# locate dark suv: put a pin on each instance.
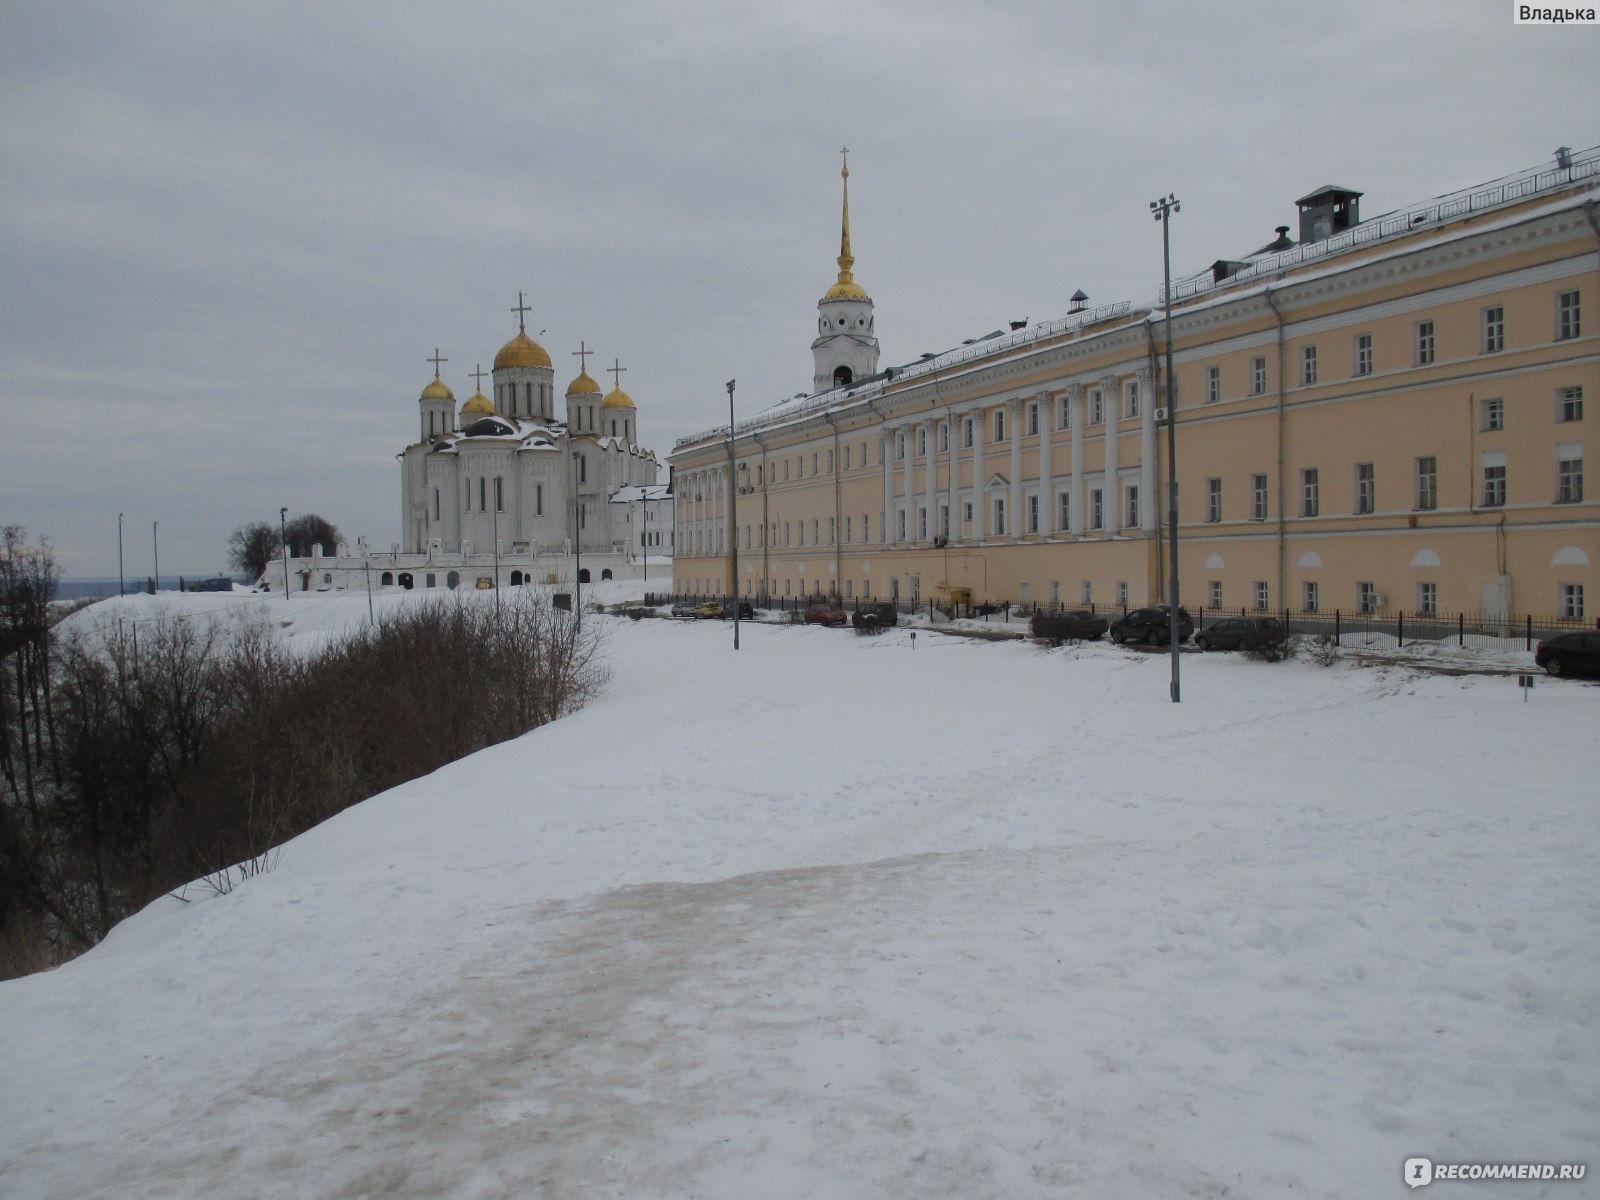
(1570, 654)
(1242, 633)
(1152, 626)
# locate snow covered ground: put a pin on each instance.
(852, 917)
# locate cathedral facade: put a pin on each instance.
(509, 489)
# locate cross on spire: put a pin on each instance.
(478, 375)
(436, 360)
(616, 368)
(521, 310)
(582, 355)
(844, 153)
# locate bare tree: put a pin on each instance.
(251, 547)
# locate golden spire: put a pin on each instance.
(846, 288)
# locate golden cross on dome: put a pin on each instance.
(478, 375)
(844, 153)
(521, 310)
(436, 360)
(582, 355)
(616, 368)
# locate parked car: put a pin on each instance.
(1081, 625)
(708, 609)
(825, 614)
(684, 608)
(1152, 626)
(1570, 654)
(881, 614)
(746, 613)
(1243, 633)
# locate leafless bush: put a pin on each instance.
(1323, 649)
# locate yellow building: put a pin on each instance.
(1389, 415)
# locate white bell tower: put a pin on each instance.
(846, 348)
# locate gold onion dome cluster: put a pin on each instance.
(521, 351)
(479, 403)
(437, 390)
(617, 398)
(583, 385)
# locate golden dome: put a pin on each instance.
(846, 289)
(521, 351)
(583, 385)
(616, 398)
(436, 390)
(479, 403)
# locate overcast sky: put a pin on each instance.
(232, 233)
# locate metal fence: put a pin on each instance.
(1351, 628)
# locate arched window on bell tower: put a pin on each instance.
(841, 376)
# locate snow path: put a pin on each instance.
(836, 917)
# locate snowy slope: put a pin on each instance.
(837, 916)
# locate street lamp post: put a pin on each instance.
(494, 522)
(283, 545)
(121, 589)
(577, 541)
(1162, 211)
(733, 522)
(155, 542)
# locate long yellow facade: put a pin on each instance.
(1394, 418)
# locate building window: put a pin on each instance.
(1366, 488)
(1494, 330)
(999, 424)
(1308, 365)
(1097, 516)
(1363, 354)
(1065, 503)
(1262, 595)
(849, 524)
(900, 524)
(847, 458)
(538, 499)
(1492, 414)
(922, 441)
(1122, 592)
(1097, 406)
(1308, 595)
(944, 520)
(830, 462)
(1366, 597)
(1066, 414)
(1033, 514)
(1055, 591)
(483, 491)
(1569, 317)
(1424, 343)
(1258, 376)
(999, 515)
(1131, 398)
(922, 523)
(1569, 474)
(966, 433)
(1427, 483)
(899, 447)
(1494, 479)
(1427, 599)
(1088, 591)
(1213, 384)
(1571, 601)
(1033, 420)
(499, 494)
(786, 470)
(435, 504)
(1213, 501)
(1213, 593)
(944, 436)
(1258, 497)
(1131, 495)
(1310, 493)
(849, 586)
(832, 531)
(1569, 404)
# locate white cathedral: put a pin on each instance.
(505, 492)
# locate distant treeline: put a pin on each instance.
(138, 756)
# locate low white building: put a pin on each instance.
(504, 491)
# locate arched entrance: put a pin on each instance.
(516, 579)
(583, 575)
(386, 579)
(605, 574)
(453, 579)
(406, 580)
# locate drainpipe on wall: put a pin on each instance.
(1155, 373)
(766, 478)
(1283, 596)
(838, 523)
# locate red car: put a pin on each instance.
(826, 614)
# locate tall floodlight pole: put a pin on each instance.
(120, 588)
(733, 522)
(1162, 210)
(494, 520)
(155, 542)
(283, 545)
(577, 540)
